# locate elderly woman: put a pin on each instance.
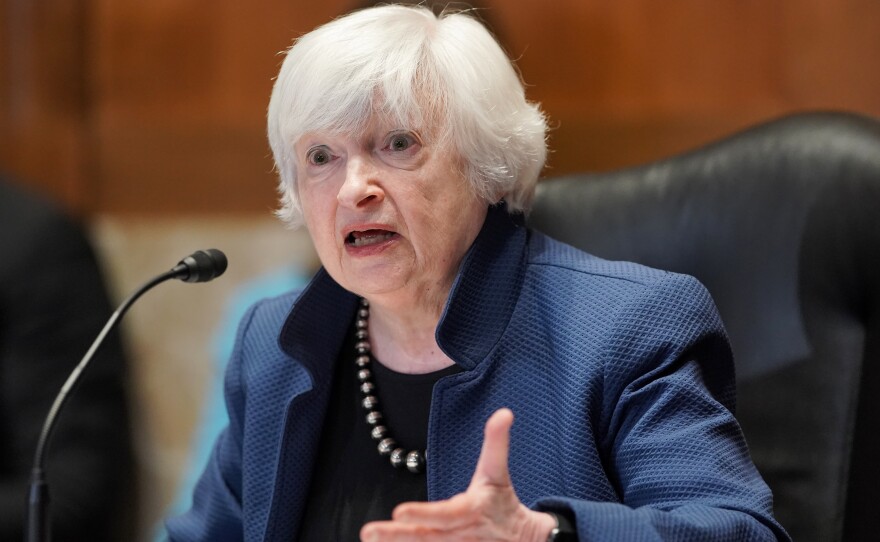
(378, 403)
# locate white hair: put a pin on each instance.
(417, 68)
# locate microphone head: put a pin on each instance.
(202, 266)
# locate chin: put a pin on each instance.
(367, 286)
(375, 278)
(371, 290)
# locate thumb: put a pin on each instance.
(492, 466)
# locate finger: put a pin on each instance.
(492, 465)
(455, 513)
(390, 531)
(393, 531)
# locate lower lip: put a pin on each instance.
(371, 249)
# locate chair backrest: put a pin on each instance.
(782, 223)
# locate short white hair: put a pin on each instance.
(416, 67)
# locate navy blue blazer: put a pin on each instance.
(620, 377)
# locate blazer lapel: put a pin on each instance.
(312, 336)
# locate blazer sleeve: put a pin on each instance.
(216, 512)
(671, 444)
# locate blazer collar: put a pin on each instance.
(486, 289)
(316, 326)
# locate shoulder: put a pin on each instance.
(256, 353)
(36, 234)
(556, 265)
(264, 319)
(555, 256)
(643, 321)
(629, 309)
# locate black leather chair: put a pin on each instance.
(782, 223)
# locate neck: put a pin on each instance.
(403, 340)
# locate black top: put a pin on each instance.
(352, 484)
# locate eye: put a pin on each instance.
(401, 141)
(319, 156)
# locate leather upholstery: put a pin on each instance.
(780, 223)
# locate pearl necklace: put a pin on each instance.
(415, 459)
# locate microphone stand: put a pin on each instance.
(38, 526)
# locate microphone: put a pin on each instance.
(200, 266)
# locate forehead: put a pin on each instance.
(329, 108)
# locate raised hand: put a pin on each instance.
(488, 510)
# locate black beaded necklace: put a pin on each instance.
(414, 459)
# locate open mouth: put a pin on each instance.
(368, 237)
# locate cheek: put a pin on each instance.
(318, 198)
(310, 216)
(318, 217)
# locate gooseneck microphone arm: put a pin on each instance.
(200, 266)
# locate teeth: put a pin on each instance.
(371, 238)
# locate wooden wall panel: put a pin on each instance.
(44, 96)
(832, 53)
(182, 91)
(158, 107)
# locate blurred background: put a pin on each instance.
(146, 121)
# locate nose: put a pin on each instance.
(361, 187)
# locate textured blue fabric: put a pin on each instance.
(620, 378)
